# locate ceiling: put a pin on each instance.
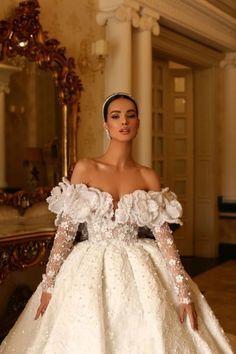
(228, 6)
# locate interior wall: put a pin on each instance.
(70, 22)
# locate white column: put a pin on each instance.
(118, 69)
(118, 64)
(228, 189)
(5, 73)
(142, 85)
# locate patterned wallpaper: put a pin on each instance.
(72, 21)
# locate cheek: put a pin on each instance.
(136, 124)
(111, 125)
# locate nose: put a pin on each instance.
(124, 120)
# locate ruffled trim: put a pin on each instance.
(79, 202)
(69, 199)
(82, 204)
(151, 209)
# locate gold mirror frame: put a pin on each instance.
(23, 35)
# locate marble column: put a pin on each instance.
(5, 73)
(228, 189)
(142, 83)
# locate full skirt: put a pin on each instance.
(115, 298)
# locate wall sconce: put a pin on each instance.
(98, 52)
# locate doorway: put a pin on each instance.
(184, 148)
(173, 140)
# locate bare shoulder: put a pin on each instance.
(151, 178)
(82, 170)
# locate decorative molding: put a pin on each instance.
(228, 6)
(122, 13)
(23, 253)
(200, 20)
(197, 19)
(229, 60)
(143, 19)
(22, 200)
(23, 35)
(187, 51)
(147, 23)
(112, 5)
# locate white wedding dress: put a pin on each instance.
(115, 293)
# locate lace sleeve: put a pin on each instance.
(62, 245)
(165, 241)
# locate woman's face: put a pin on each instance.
(122, 120)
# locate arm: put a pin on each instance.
(164, 208)
(165, 241)
(66, 231)
(62, 245)
(66, 202)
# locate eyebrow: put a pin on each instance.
(117, 111)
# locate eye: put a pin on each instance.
(115, 116)
(133, 115)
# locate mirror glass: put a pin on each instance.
(39, 105)
(31, 120)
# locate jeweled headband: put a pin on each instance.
(112, 97)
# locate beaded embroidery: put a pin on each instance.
(79, 204)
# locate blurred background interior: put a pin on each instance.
(58, 60)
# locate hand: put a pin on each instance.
(188, 309)
(44, 301)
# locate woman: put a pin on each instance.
(115, 292)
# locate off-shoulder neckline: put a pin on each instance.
(117, 201)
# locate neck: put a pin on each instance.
(119, 154)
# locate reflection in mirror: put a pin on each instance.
(39, 103)
(32, 125)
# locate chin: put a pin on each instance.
(127, 137)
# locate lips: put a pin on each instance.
(124, 130)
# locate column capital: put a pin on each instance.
(149, 23)
(140, 17)
(229, 60)
(122, 13)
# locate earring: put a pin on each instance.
(107, 133)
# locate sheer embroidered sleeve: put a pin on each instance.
(165, 241)
(156, 210)
(170, 211)
(72, 206)
(62, 245)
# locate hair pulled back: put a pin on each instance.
(113, 97)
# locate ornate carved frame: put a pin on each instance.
(19, 253)
(23, 35)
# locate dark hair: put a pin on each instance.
(114, 97)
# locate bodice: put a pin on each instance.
(107, 231)
(95, 209)
(78, 204)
